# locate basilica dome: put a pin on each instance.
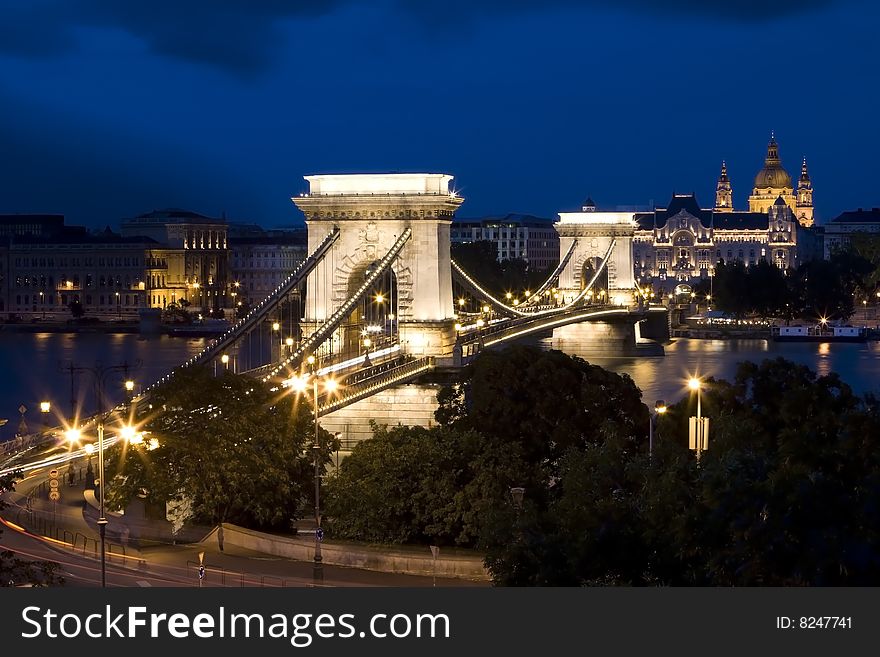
(772, 175)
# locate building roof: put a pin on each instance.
(773, 175)
(512, 218)
(39, 218)
(678, 202)
(735, 220)
(859, 216)
(741, 221)
(82, 237)
(171, 214)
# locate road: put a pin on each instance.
(161, 565)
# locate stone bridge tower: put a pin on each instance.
(594, 232)
(372, 211)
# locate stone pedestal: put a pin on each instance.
(408, 404)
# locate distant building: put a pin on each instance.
(260, 260)
(44, 275)
(839, 229)
(189, 261)
(34, 225)
(771, 183)
(681, 244)
(514, 236)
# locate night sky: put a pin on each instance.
(109, 109)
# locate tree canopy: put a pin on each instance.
(785, 495)
(237, 451)
(817, 288)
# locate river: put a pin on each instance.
(31, 366)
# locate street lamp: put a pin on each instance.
(367, 343)
(299, 385)
(42, 304)
(659, 409)
(516, 494)
(100, 374)
(698, 426)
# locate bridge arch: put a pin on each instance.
(592, 234)
(372, 211)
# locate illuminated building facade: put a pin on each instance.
(677, 246)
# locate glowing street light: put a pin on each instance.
(698, 426)
(299, 385)
(659, 409)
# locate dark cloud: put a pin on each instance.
(97, 174)
(242, 36)
(741, 10)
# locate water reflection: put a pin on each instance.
(31, 369)
(858, 364)
(31, 365)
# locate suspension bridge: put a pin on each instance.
(379, 301)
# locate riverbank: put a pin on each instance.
(761, 333)
(123, 326)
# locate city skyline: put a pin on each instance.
(112, 112)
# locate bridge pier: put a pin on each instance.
(613, 338)
(410, 404)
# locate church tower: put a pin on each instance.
(772, 182)
(723, 191)
(805, 197)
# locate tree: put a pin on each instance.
(867, 246)
(731, 288)
(510, 423)
(15, 571)
(176, 313)
(237, 451)
(544, 401)
(406, 485)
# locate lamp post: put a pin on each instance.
(45, 407)
(659, 409)
(367, 344)
(42, 304)
(100, 373)
(299, 385)
(699, 426)
(516, 494)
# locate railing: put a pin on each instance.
(393, 376)
(259, 312)
(535, 312)
(326, 329)
(554, 276)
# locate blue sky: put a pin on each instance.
(110, 109)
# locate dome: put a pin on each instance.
(772, 175)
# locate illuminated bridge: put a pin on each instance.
(379, 302)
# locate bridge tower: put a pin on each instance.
(372, 211)
(595, 232)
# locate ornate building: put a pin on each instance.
(773, 182)
(679, 245)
